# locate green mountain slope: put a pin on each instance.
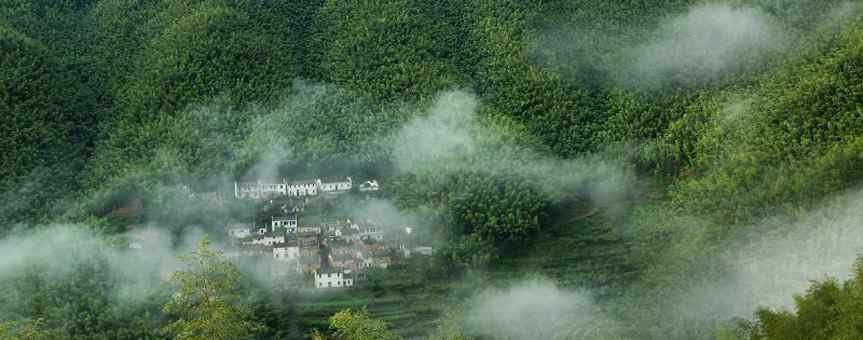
(624, 148)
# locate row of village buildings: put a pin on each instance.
(262, 189)
(334, 253)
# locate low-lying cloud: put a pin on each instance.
(763, 270)
(452, 136)
(445, 133)
(60, 249)
(705, 43)
(535, 309)
(824, 244)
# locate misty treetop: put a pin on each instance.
(829, 309)
(624, 146)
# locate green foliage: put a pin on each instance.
(351, 325)
(178, 52)
(208, 52)
(482, 212)
(449, 329)
(828, 311)
(562, 114)
(496, 209)
(182, 75)
(321, 123)
(386, 49)
(101, 97)
(75, 301)
(794, 141)
(62, 24)
(198, 142)
(31, 330)
(47, 118)
(205, 302)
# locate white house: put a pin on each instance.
(336, 279)
(259, 189)
(369, 186)
(372, 233)
(245, 190)
(266, 189)
(337, 186)
(288, 222)
(286, 253)
(302, 188)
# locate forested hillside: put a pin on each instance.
(676, 169)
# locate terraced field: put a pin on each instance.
(412, 315)
(576, 251)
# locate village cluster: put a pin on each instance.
(336, 253)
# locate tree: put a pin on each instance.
(30, 330)
(206, 303)
(46, 117)
(163, 55)
(449, 329)
(385, 49)
(828, 311)
(795, 140)
(210, 51)
(483, 213)
(324, 123)
(350, 325)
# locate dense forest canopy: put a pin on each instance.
(674, 169)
